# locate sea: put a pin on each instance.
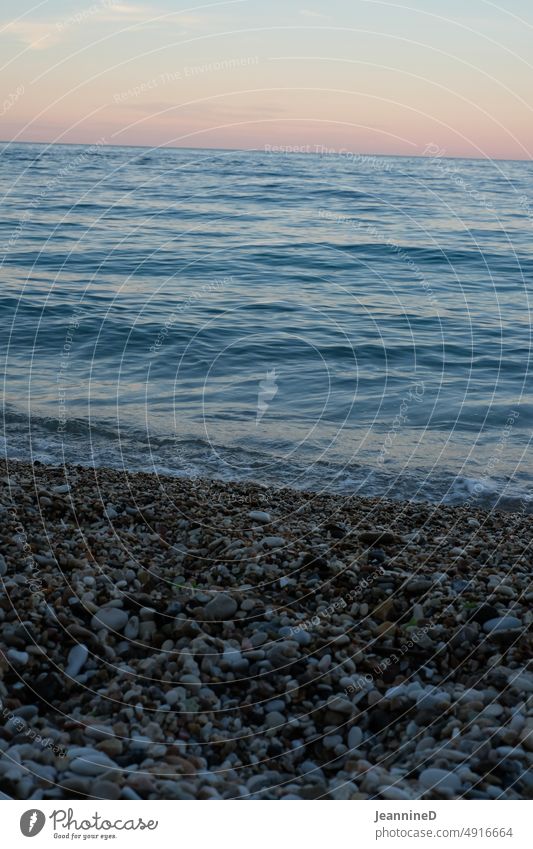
(322, 321)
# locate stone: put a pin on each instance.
(222, 606)
(275, 719)
(77, 658)
(439, 779)
(501, 624)
(340, 705)
(433, 699)
(343, 792)
(90, 762)
(112, 746)
(355, 737)
(395, 794)
(112, 618)
(18, 658)
(259, 516)
(233, 657)
(275, 704)
(105, 790)
(419, 585)
(330, 741)
(129, 793)
(131, 631)
(174, 696)
(273, 542)
(378, 537)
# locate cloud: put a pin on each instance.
(310, 13)
(37, 35)
(126, 12)
(42, 34)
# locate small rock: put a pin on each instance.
(501, 624)
(433, 699)
(112, 746)
(91, 762)
(129, 793)
(273, 542)
(105, 790)
(330, 741)
(340, 705)
(18, 658)
(275, 704)
(233, 657)
(355, 737)
(77, 658)
(378, 537)
(376, 555)
(419, 585)
(343, 791)
(492, 711)
(112, 618)
(131, 631)
(274, 719)
(259, 516)
(222, 606)
(258, 638)
(393, 793)
(140, 742)
(439, 779)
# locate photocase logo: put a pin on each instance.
(267, 391)
(32, 822)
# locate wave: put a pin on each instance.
(97, 443)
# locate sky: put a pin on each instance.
(366, 76)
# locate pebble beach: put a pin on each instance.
(165, 638)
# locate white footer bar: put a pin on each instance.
(269, 825)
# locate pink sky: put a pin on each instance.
(371, 77)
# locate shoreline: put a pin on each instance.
(194, 639)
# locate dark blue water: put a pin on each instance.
(350, 323)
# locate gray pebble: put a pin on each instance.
(439, 779)
(501, 624)
(222, 606)
(259, 516)
(109, 617)
(77, 658)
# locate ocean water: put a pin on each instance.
(339, 322)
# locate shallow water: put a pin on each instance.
(356, 324)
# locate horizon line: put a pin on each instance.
(327, 151)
